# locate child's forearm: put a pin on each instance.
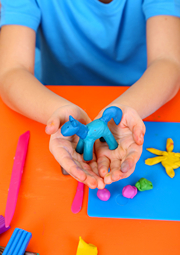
(158, 85)
(23, 93)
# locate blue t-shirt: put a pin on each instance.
(87, 42)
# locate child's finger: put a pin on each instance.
(80, 173)
(138, 135)
(94, 167)
(52, 125)
(133, 121)
(103, 165)
(121, 170)
(130, 161)
(72, 167)
(62, 152)
(91, 175)
(101, 184)
(127, 165)
(59, 118)
(115, 167)
(78, 169)
(115, 173)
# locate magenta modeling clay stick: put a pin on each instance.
(78, 199)
(17, 171)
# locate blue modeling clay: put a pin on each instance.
(89, 133)
(18, 242)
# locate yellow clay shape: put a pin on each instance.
(169, 144)
(170, 160)
(86, 249)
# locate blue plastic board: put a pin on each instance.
(160, 203)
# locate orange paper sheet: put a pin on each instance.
(45, 197)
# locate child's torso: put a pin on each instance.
(91, 42)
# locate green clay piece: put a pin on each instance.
(143, 184)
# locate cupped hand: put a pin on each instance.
(130, 137)
(63, 148)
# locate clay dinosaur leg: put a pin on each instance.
(88, 150)
(80, 146)
(110, 140)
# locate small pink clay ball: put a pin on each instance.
(103, 194)
(129, 191)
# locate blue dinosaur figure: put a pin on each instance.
(97, 129)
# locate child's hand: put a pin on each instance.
(63, 148)
(130, 136)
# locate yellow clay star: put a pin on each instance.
(170, 160)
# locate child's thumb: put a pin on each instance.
(53, 125)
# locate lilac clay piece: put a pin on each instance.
(103, 194)
(129, 191)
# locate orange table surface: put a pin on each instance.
(45, 196)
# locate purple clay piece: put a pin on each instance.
(2, 225)
(103, 194)
(129, 191)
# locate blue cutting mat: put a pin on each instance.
(160, 203)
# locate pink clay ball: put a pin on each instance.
(103, 194)
(129, 191)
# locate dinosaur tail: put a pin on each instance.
(112, 112)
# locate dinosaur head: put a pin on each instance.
(70, 127)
